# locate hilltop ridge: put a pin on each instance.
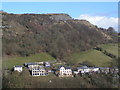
(58, 34)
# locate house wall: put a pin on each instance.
(39, 73)
(19, 69)
(65, 72)
(32, 66)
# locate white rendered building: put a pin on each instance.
(32, 65)
(85, 69)
(47, 64)
(39, 71)
(95, 69)
(18, 68)
(65, 72)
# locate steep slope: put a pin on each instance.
(57, 34)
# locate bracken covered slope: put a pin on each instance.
(58, 34)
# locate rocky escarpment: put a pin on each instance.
(58, 17)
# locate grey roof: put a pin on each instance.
(38, 68)
(104, 67)
(41, 66)
(75, 71)
(31, 63)
(52, 61)
(65, 67)
(17, 66)
(93, 67)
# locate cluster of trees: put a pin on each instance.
(106, 53)
(109, 54)
(98, 48)
(17, 80)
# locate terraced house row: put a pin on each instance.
(44, 68)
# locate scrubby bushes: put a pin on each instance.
(106, 53)
(32, 34)
(86, 81)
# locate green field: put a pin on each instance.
(93, 56)
(9, 62)
(110, 48)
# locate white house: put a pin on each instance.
(112, 70)
(105, 70)
(47, 64)
(94, 69)
(65, 72)
(39, 71)
(32, 65)
(18, 68)
(76, 72)
(83, 69)
(116, 70)
(40, 63)
(49, 71)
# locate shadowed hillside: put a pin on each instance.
(56, 34)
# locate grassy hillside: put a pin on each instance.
(28, 34)
(93, 56)
(10, 62)
(110, 48)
